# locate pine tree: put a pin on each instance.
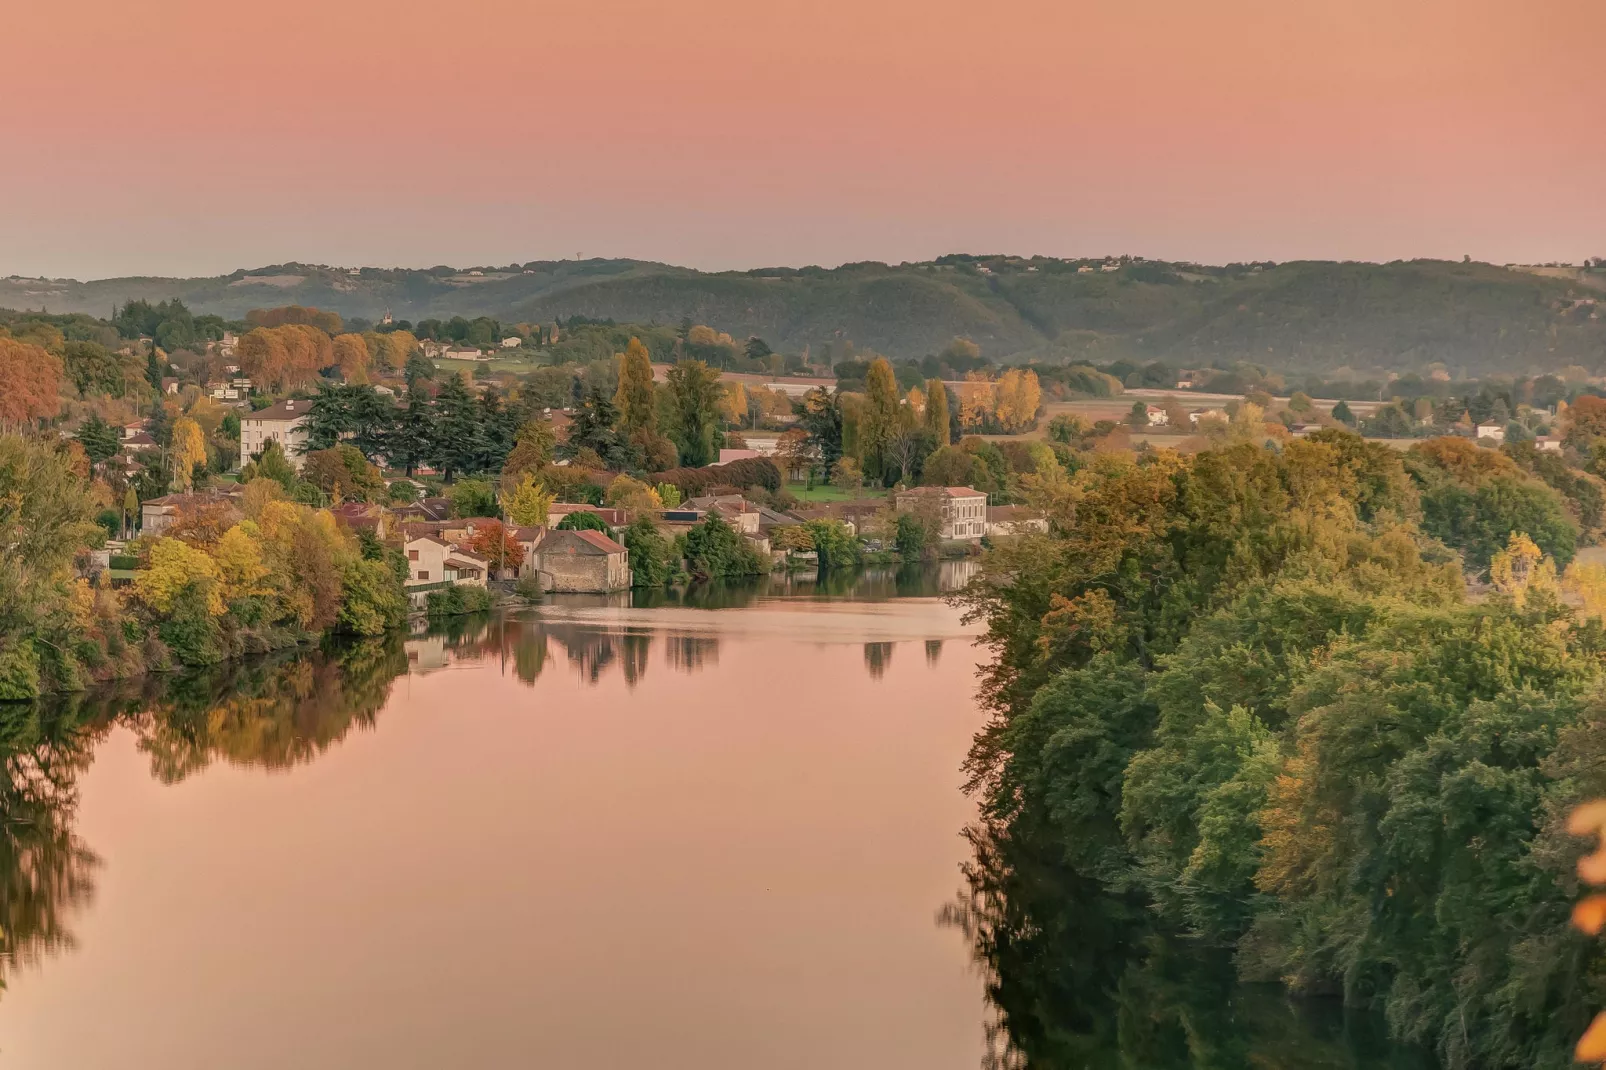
(410, 442)
(459, 445)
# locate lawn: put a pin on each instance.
(825, 493)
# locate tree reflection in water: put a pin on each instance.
(877, 656)
(46, 871)
(1077, 979)
(271, 713)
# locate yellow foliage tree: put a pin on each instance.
(1587, 583)
(188, 450)
(239, 562)
(528, 502)
(632, 494)
(174, 565)
(1017, 396)
(1521, 569)
(733, 406)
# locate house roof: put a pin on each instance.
(290, 409)
(465, 561)
(947, 492)
(589, 542)
(428, 538)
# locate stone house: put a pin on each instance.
(581, 562)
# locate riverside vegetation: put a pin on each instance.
(1246, 702)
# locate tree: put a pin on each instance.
(834, 544)
(636, 399)
(473, 498)
(1342, 413)
(497, 545)
(695, 392)
(649, 553)
(951, 466)
(458, 441)
(532, 451)
(351, 356)
(583, 520)
(632, 495)
(94, 369)
(345, 474)
(715, 549)
(188, 452)
(410, 442)
(1017, 396)
(32, 379)
(936, 415)
(271, 464)
(820, 415)
(797, 452)
(912, 538)
(528, 503)
(99, 439)
(595, 428)
(846, 474)
(880, 421)
(733, 405)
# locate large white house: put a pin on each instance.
(284, 422)
(962, 511)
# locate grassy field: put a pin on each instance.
(824, 493)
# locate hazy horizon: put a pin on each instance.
(179, 138)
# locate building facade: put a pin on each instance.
(961, 511)
(284, 423)
(580, 562)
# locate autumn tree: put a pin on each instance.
(975, 400)
(31, 378)
(1016, 397)
(528, 502)
(187, 452)
(936, 414)
(351, 356)
(880, 421)
(636, 399)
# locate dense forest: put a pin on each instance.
(1317, 712)
(1305, 317)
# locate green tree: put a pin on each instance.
(473, 498)
(99, 439)
(695, 391)
(1342, 413)
(715, 549)
(584, 520)
(650, 564)
(458, 442)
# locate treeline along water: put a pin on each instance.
(568, 834)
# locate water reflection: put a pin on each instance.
(1077, 979)
(877, 656)
(46, 871)
(272, 713)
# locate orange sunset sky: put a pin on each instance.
(197, 136)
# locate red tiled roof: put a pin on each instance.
(594, 539)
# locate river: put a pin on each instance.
(719, 829)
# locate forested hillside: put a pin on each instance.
(1316, 317)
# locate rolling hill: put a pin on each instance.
(1312, 316)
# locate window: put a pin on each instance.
(423, 574)
(412, 555)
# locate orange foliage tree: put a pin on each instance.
(31, 377)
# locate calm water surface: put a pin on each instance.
(714, 830)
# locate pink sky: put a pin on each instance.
(191, 137)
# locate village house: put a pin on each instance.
(424, 509)
(1494, 433)
(1005, 520)
(464, 353)
(961, 511)
(284, 423)
(1547, 444)
(580, 562)
(434, 563)
(363, 516)
(1156, 414)
(156, 515)
(512, 342)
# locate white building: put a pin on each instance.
(961, 511)
(1156, 414)
(512, 342)
(1494, 433)
(1548, 444)
(284, 423)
